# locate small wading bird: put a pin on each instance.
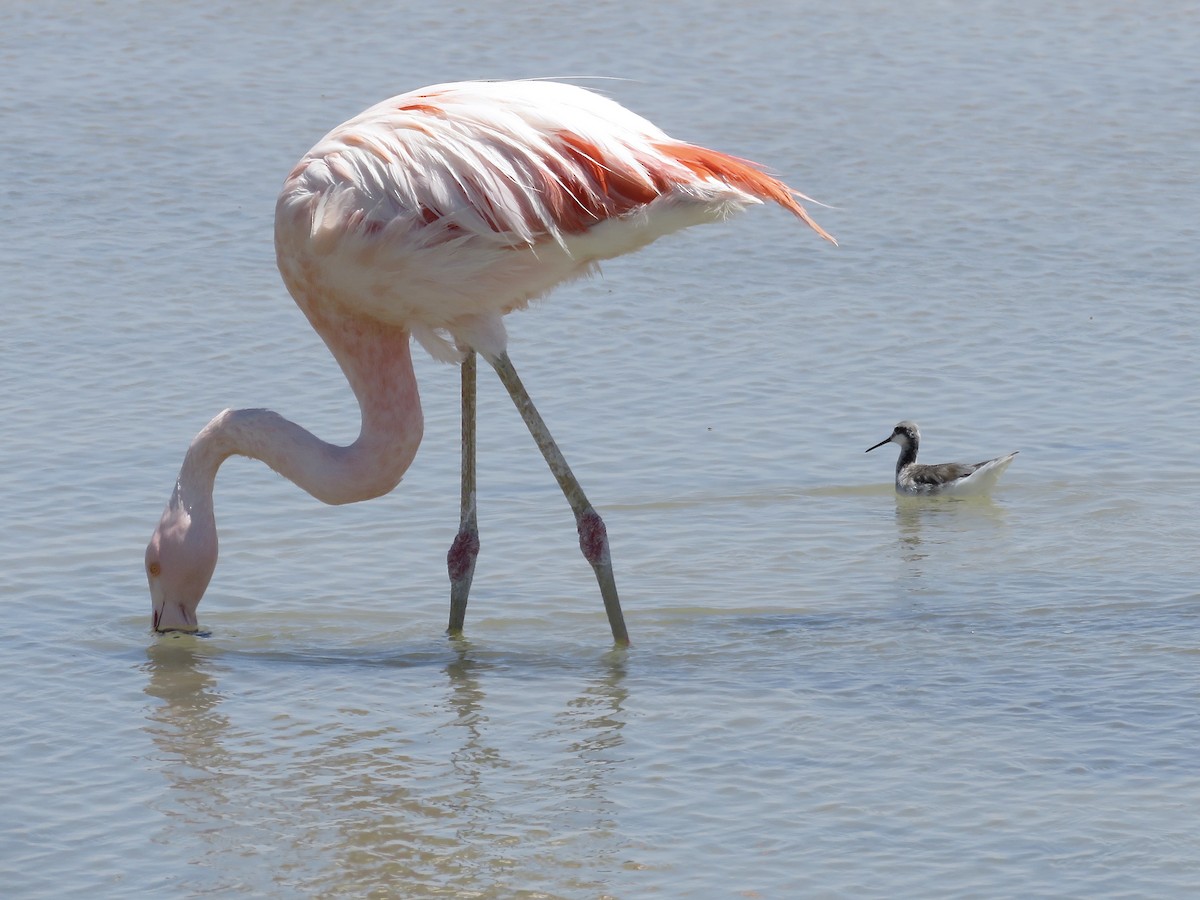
(430, 216)
(959, 479)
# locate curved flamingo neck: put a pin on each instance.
(377, 361)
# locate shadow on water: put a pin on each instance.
(430, 786)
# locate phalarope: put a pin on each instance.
(943, 478)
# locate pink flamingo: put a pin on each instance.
(430, 216)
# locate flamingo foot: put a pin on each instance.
(593, 541)
(460, 561)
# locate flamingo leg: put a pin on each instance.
(460, 561)
(593, 537)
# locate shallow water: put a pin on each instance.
(832, 691)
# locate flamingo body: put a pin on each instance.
(432, 215)
(446, 208)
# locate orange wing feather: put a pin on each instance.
(744, 175)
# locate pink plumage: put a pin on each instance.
(433, 215)
(448, 207)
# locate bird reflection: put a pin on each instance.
(922, 523)
(206, 780)
(554, 784)
(392, 789)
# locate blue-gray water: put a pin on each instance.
(831, 693)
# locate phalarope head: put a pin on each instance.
(906, 434)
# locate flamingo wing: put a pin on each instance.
(513, 163)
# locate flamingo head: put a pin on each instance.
(180, 560)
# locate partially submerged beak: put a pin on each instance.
(173, 617)
(180, 559)
(886, 440)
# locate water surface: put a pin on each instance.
(831, 692)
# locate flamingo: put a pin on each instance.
(430, 216)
